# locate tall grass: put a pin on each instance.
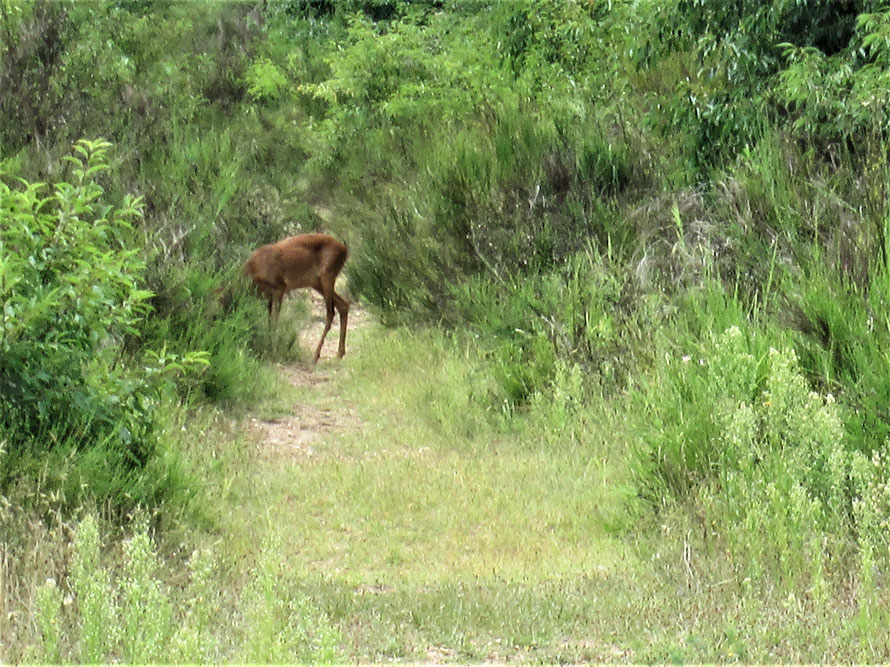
(503, 202)
(761, 414)
(106, 612)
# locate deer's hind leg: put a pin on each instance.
(332, 300)
(278, 297)
(321, 286)
(342, 306)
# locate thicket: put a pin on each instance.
(74, 409)
(683, 205)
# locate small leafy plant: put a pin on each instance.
(133, 614)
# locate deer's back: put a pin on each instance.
(297, 261)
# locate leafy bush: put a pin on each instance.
(265, 81)
(843, 336)
(841, 96)
(70, 292)
(538, 326)
(732, 405)
(735, 423)
(70, 295)
(724, 96)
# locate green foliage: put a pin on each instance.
(378, 10)
(70, 294)
(392, 80)
(845, 345)
(487, 205)
(195, 638)
(722, 263)
(548, 36)
(136, 616)
(91, 586)
(49, 603)
(265, 81)
(145, 610)
(734, 404)
(840, 96)
(539, 327)
(733, 426)
(731, 59)
(283, 627)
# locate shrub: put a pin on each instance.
(839, 98)
(731, 56)
(734, 404)
(538, 326)
(265, 81)
(70, 295)
(735, 421)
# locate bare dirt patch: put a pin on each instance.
(321, 414)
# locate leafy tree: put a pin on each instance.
(841, 96)
(731, 56)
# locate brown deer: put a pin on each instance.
(307, 260)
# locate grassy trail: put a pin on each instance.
(423, 535)
(423, 527)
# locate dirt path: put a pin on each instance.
(421, 544)
(296, 434)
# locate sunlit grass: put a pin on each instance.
(422, 517)
(392, 497)
(431, 524)
(427, 520)
(420, 524)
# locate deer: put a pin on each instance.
(306, 260)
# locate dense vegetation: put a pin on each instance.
(679, 209)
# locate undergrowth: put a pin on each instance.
(129, 611)
(669, 218)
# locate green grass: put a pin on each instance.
(431, 527)
(420, 524)
(487, 501)
(658, 433)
